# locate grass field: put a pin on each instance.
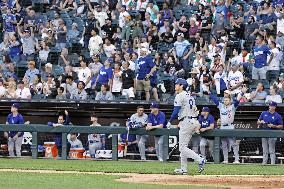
(11, 180)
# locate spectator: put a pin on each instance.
(280, 82)
(244, 95)
(22, 92)
(73, 34)
(251, 30)
(79, 93)
(49, 87)
(2, 89)
(48, 71)
(105, 75)
(193, 29)
(205, 79)
(95, 141)
(259, 94)
(68, 5)
(43, 53)
(235, 79)
(95, 42)
(31, 72)
(69, 86)
(127, 58)
(128, 81)
(15, 49)
(116, 81)
(181, 26)
(85, 74)
(109, 48)
(36, 86)
(95, 65)
(153, 10)
(206, 121)
(29, 42)
(270, 120)
(273, 69)
(61, 34)
(11, 90)
(220, 81)
(60, 94)
(104, 94)
(145, 71)
(69, 72)
(123, 14)
(261, 51)
(273, 96)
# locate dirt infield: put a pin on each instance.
(228, 181)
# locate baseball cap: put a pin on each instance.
(110, 60)
(50, 75)
(144, 49)
(272, 103)
(20, 82)
(16, 105)
(48, 65)
(220, 47)
(181, 81)
(181, 34)
(154, 105)
(205, 109)
(228, 92)
(124, 6)
(27, 31)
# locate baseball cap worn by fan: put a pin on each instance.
(154, 105)
(48, 65)
(205, 109)
(272, 103)
(181, 34)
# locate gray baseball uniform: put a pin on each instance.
(188, 123)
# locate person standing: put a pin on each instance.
(185, 108)
(139, 120)
(207, 123)
(270, 120)
(227, 116)
(157, 119)
(14, 138)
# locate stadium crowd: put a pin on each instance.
(107, 50)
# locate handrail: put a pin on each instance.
(217, 134)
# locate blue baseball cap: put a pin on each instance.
(16, 105)
(154, 105)
(205, 109)
(220, 47)
(181, 81)
(1, 81)
(110, 60)
(272, 103)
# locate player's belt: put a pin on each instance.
(189, 117)
(93, 141)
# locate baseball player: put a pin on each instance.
(74, 141)
(157, 119)
(227, 116)
(63, 119)
(185, 108)
(96, 141)
(206, 121)
(137, 120)
(270, 120)
(14, 138)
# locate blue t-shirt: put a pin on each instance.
(145, 65)
(260, 54)
(9, 26)
(131, 138)
(158, 119)
(154, 79)
(206, 122)
(19, 119)
(105, 75)
(269, 118)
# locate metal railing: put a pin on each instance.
(114, 131)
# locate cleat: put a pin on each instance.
(201, 165)
(180, 172)
(236, 162)
(225, 162)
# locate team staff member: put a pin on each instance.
(270, 120)
(185, 108)
(157, 119)
(227, 116)
(206, 121)
(62, 120)
(14, 138)
(139, 120)
(146, 69)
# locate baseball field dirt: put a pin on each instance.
(226, 181)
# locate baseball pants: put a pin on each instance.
(203, 143)
(228, 143)
(141, 139)
(268, 146)
(195, 141)
(15, 144)
(187, 128)
(159, 146)
(94, 147)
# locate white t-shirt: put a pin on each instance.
(234, 79)
(109, 50)
(275, 63)
(101, 17)
(2, 91)
(83, 75)
(23, 94)
(117, 83)
(280, 25)
(94, 44)
(274, 98)
(122, 19)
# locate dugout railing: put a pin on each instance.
(115, 131)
